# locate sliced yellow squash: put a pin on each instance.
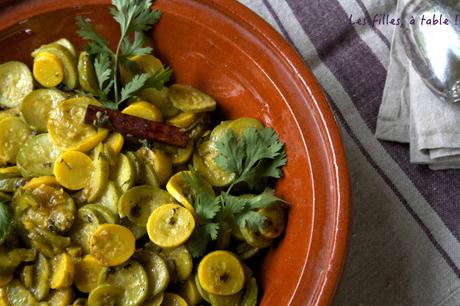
(179, 262)
(170, 225)
(99, 179)
(73, 170)
(86, 74)
(67, 60)
(160, 99)
(63, 271)
(139, 202)
(67, 128)
(37, 105)
(104, 295)
(48, 69)
(221, 273)
(87, 273)
(182, 120)
(16, 82)
(131, 278)
(144, 110)
(189, 99)
(112, 244)
(157, 272)
(37, 156)
(115, 142)
(172, 299)
(13, 133)
(68, 45)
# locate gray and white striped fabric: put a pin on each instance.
(405, 244)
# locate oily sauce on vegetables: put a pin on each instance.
(128, 197)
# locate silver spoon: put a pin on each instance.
(433, 44)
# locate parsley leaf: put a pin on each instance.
(134, 18)
(5, 221)
(256, 155)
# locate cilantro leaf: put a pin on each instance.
(200, 238)
(253, 156)
(134, 18)
(264, 200)
(144, 18)
(134, 15)
(133, 86)
(244, 209)
(97, 44)
(194, 180)
(102, 65)
(256, 155)
(205, 203)
(159, 78)
(233, 205)
(251, 219)
(135, 47)
(5, 221)
(231, 153)
(213, 230)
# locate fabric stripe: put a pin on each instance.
(395, 190)
(278, 22)
(263, 11)
(382, 7)
(375, 29)
(402, 183)
(387, 249)
(366, 33)
(344, 53)
(365, 86)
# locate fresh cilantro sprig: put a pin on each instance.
(256, 155)
(244, 209)
(214, 211)
(207, 207)
(98, 44)
(200, 238)
(5, 221)
(135, 17)
(252, 157)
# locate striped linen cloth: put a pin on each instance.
(405, 247)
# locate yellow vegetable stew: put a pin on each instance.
(100, 219)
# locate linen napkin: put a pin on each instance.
(411, 113)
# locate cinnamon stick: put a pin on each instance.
(132, 126)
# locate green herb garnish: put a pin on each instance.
(135, 17)
(256, 155)
(5, 221)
